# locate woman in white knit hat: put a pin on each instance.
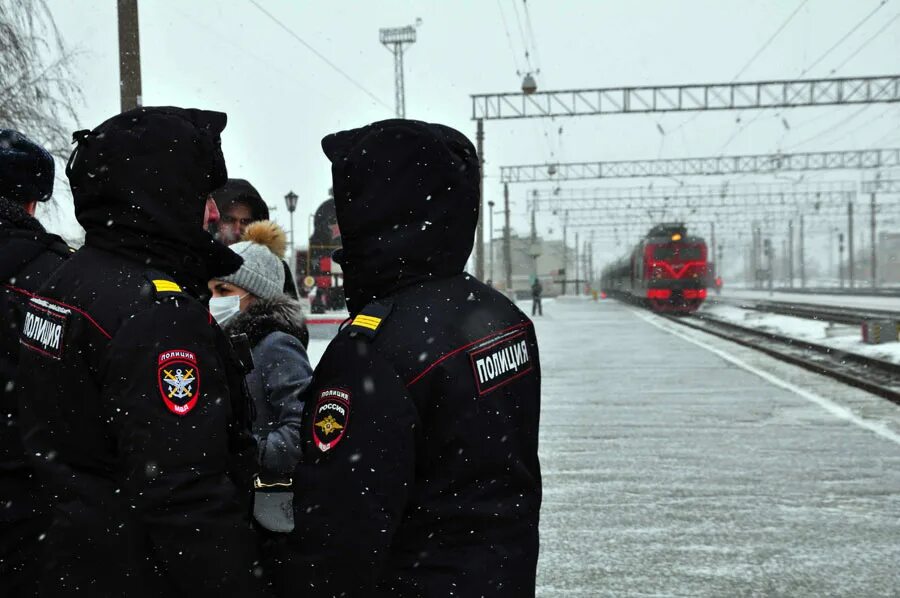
(251, 302)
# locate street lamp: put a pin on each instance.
(491, 241)
(291, 200)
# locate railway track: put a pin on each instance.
(877, 376)
(856, 291)
(822, 313)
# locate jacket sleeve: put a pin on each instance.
(175, 465)
(352, 485)
(285, 373)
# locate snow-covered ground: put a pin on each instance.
(849, 338)
(670, 470)
(861, 301)
(679, 464)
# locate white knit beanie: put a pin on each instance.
(262, 273)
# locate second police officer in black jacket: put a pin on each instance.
(420, 474)
(28, 256)
(132, 402)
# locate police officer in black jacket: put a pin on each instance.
(131, 398)
(420, 475)
(28, 255)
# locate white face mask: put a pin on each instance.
(224, 308)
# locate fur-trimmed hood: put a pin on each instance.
(265, 316)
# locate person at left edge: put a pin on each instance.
(28, 255)
(132, 400)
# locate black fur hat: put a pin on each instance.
(26, 169)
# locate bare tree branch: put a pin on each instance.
(38, 92)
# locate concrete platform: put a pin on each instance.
(673, 468)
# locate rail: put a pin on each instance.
(876, 376)
(808, 311)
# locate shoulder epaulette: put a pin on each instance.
(163, 285)
(369, 320)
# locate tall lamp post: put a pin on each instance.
(291, 200)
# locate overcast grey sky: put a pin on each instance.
(281, 99)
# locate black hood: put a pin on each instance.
(140, 182)
(406, 195)
(240, 190)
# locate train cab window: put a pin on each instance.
(679, 252)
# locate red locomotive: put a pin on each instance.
(666, 271)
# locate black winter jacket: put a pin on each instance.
(28, 255)
(132, 401)
(278, 337)
(420, 474)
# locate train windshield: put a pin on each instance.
(678, 252)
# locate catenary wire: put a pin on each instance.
(866, 43)
(530, 29)
(522, 35)
(321, 56)
(752, 59)
(840, 41)
(844, 38)
(769, 41)
(512, 48)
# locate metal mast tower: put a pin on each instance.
(395, 39)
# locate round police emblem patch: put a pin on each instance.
(178, 375)
(330, 418)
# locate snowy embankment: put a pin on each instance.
(856, 301)
(840, 336)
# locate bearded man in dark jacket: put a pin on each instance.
(420, 473)
(28, 255)
(240, 204)
(132, 401)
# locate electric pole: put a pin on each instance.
(565, 249)
(533, 249)
(479, 228)
(491, 240)
(790, 254)
(841, 258)
(507, 249)
(129, 56)
(851, 276)
(874, 263)
(396, 39)
(577, 291)
(591, 260)
(802, 255)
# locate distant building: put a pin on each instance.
(549, 265)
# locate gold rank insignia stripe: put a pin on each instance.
(166, 286)
(365, 321)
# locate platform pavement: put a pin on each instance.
(670, 471)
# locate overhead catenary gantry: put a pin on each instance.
(678, 98)
(689, 196)
(702, 166)
(681, 98)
